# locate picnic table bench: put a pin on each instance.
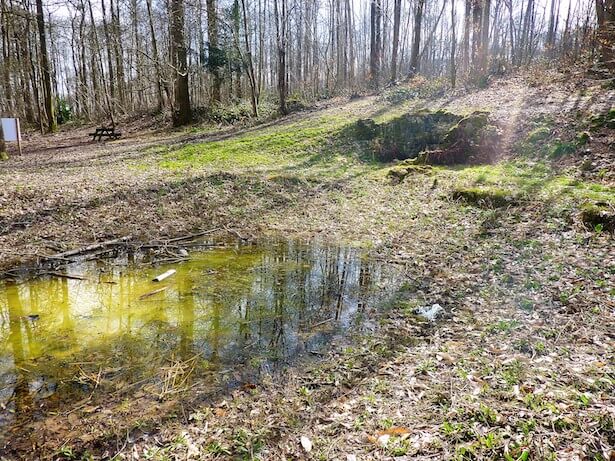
(106, 132)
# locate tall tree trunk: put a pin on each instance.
(511, 26)
(118, 51)
(159, 79)
(396, 23)
(98, 54)
(182, 114)
(6, 55)
(108, 47)
(46, 70)
(525, 33)
(467, 29)
(416, 41)
(484, 41)
(216, 59)
(83, 83)
(375, 43)
(3, 154)
(254, 88)
(280, 18)
(550, 41)
(351, 50)
(477, 15)
(605, 10)
(453, 45)
(138, 99)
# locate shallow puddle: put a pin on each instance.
(228, 313)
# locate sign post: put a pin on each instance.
(12, 131)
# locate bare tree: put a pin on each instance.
(156, 57)
(375, 42)
(280, 12)
(3, 154)
(249, 62)
(553, 18)
(396, 25)
(46, 69)
(484, 40)
(416, 41)
(605, 10)
(182, 114)
(215, 55)
(453, 64)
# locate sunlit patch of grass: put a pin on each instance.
(534, 180)
(266, 147)
(309, 147)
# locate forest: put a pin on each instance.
(307, 230)
(84, 61)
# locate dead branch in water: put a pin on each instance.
(152, 293)
(89, 248)
(185, 237)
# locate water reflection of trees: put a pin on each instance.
(298, 286)
(17, 326)
(226, 307)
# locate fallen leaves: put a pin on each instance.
(396, 431)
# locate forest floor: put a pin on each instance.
(522, 366)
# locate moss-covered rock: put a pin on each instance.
(439, 137)
(582, 138)
(404, 137)
(598, 215)
(400, 172)
(538, 134)
(603, 120)
(562, 148)
(485, 198)
(365, 129)
(472, 140)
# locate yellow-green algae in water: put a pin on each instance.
(244, 308)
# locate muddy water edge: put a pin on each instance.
(98, 336)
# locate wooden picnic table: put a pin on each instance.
(106, 132)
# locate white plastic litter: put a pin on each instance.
(431, 313)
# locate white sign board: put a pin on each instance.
(11, 130)
(10, 127)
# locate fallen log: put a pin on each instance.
(189, 236)
(68, 276)
(87, 249)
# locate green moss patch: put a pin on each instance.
(485, 198)
(276, 145)
(538, 134)
(598, 216)
(400, 172)
(603, 120)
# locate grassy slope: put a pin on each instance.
(524, 362)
